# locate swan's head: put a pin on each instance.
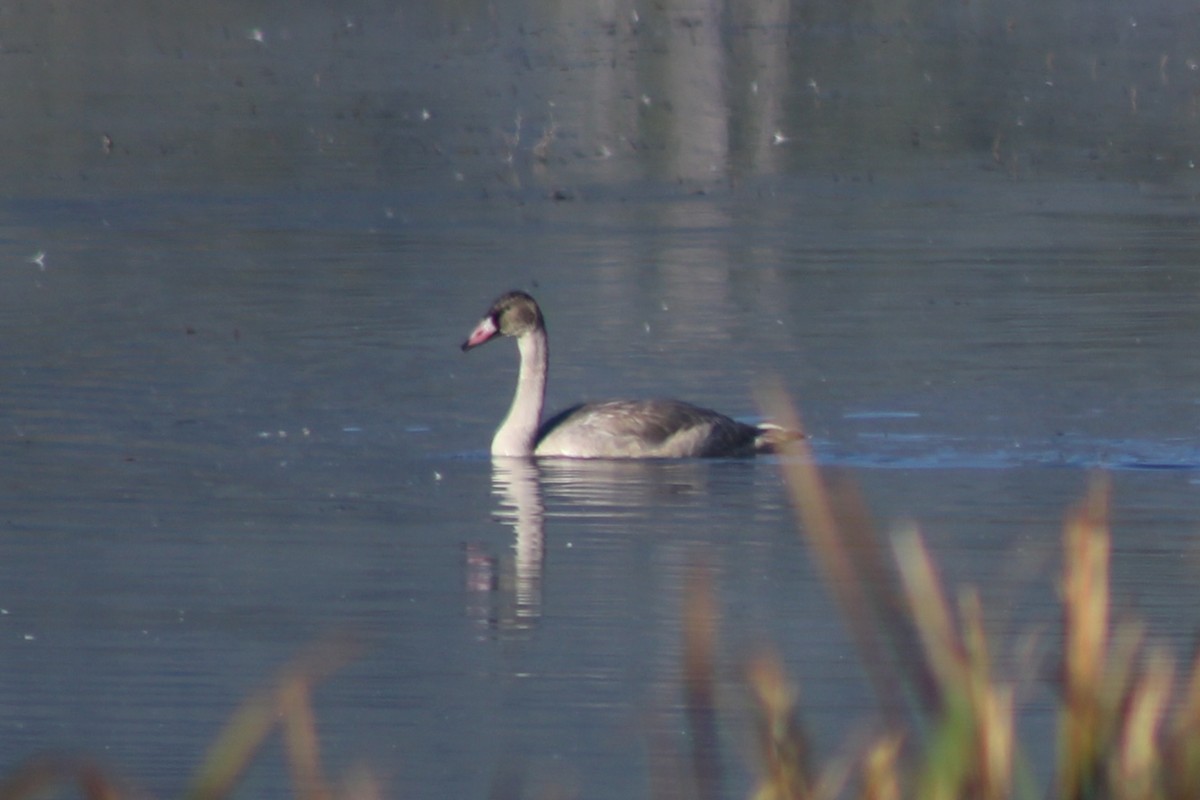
(513, 314)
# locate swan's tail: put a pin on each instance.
(771, 437)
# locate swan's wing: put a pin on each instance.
(643, 429)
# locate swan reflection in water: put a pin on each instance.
(505, 592)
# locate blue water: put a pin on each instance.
(241, 249)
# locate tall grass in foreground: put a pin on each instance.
(1127, 729)
(285, 706)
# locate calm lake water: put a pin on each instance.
(241, 246)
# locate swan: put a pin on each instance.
(653, 428)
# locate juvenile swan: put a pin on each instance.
(609, 429)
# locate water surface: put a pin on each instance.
(241, 248)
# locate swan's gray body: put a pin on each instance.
(654, 428)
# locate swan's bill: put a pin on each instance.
(485, 330)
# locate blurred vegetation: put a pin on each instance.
(1128, 729)
(284, 706)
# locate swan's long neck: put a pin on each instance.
(517, 435)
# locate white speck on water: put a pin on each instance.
(39, 258)
(437, 476)
(645, 99)
(351, 429)
(425, 115)
(256, 35)
(29, 637)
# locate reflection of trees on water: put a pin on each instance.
(608, 92)
(715, 91)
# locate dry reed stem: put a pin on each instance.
(971, 751)
(881, 770)
(231, 754)
(40, 776)
(1137, 764)
(993, 708)
(699, 643)
(1085, 590)
(781, 742)
(1085, 636)
(943, 650)
(300, 739)
(973, 746)
(287, 703)
(997, 729)
(1187, 718)
(857, 574)
(1181, 751)
(969, 746)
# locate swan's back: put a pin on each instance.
(654, 428)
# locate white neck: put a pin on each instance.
(517, 435)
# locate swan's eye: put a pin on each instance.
(519, 318)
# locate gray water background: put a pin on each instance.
(242, 242)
